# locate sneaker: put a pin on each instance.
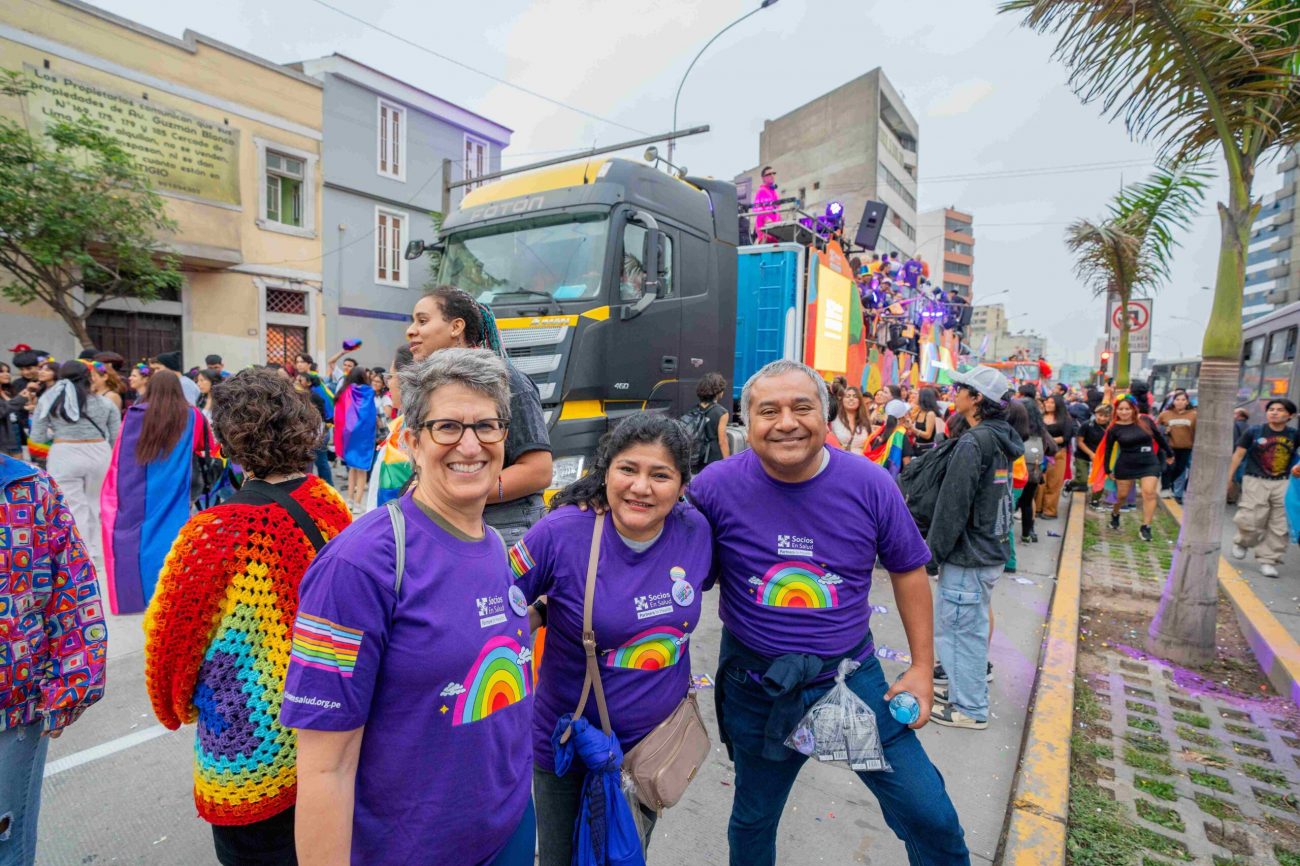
(941, 679)
(1238, 552)
(1145, 532)
(1268, 569)
(951, 717)
(1114, 521)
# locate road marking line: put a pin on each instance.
(103, 750)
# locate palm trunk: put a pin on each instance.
(1183, 628)
(1121, 351)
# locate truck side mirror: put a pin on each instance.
(652, 252)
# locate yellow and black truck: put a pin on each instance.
(613, 283)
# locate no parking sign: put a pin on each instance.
(1139, 323)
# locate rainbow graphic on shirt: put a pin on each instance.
(797, 584)
(651, 650)
(319, 643)
(499, 677)
(521, 561)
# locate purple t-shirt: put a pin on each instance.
(441, 680)
(646, 605)
(795, 560)
(911, 272)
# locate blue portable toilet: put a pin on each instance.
(770, 300)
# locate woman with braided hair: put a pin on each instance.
(448, 318)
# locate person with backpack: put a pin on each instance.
(216, 638)
(968, 538)
(706, 423)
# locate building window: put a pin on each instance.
(902, 224)
(958, 247)
(286, 301)
(956, 268)
(389, 228)
(476, 161)
(287, 195)
(284, 189)
(955, 225)
(896, 185)
(392, 140)
(284, 343)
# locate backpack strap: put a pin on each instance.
(398, 520)
(292, 506)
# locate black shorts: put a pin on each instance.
(1137, 472)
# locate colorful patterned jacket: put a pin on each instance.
(53, 641)
(217, 640)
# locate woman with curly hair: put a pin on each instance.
(217, 630)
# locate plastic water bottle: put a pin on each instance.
(904, 708)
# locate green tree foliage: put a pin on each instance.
(1131, 248)
(76, 211)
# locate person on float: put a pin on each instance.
(764, 209)
(409, 681)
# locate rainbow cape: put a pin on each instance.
(354, 426)
(38, 450)
(143, 507)
(887, 452)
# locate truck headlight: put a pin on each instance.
(565, 471)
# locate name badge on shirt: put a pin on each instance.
(518, 603)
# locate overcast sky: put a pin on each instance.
(992, 105)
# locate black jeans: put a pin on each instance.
(1182, 456)
(1027, 508)
(264, 843)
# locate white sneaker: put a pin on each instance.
(1238, 552)
(1268, 569)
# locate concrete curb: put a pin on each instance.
(1040, 803)
(1276, 652)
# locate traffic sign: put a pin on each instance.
(1139, 319)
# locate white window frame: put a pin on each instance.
(395, 251)
(387, 148)
(308, 227)
(487, 160)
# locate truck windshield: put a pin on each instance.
(560, 256)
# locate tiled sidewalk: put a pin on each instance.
(1169, 765)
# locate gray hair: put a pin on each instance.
(476, 369)
(780, 368)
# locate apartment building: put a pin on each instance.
(947, 243)
(1272, 281)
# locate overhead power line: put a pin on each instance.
(477, 71)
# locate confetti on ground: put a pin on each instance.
(1026, 581)
(703, 681)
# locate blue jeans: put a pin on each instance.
(323, 468)
(22, 768)
(913, 799)
(961, 634)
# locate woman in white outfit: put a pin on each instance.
(83, 427)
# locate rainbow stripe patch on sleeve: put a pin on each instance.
(521, 561)
(319, 643)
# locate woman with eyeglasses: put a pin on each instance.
(409, 682)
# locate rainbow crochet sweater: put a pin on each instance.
(218, 634)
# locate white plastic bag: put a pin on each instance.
(841, 729)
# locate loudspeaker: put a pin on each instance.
(873, 220)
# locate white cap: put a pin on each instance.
(986, 380)
(896, 408)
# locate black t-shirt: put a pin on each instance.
(1091, 435)
(712, 451)
(527, 433)
(1269, 453)
(1137, 449)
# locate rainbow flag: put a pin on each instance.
(355, 417)
(392, 468)
(887, 452)
(39, 451)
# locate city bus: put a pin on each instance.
(1268, 369)
(1169, 375)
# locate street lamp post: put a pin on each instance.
(673, 141)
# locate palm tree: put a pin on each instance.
(1131, 248)
(1195, 76)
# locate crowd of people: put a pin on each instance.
(356, 657)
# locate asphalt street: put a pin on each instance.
(118, 785)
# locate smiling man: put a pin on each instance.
(797, 531)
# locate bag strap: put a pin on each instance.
(293, 507)
(398, 520)
(592, 679)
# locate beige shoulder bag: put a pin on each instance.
(667, 759)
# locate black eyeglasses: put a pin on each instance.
(448, 431)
